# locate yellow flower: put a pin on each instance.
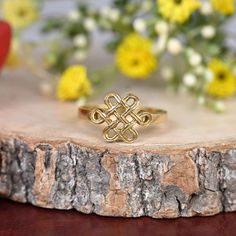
(224, 82)
(178, 11)
(73, 84)
(134, 57)
(13, 59)
(19, 13)
(226, 7)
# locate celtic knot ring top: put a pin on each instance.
(121, 117)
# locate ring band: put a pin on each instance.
(159, 116)
(122, 115)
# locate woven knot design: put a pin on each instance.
(121, 115)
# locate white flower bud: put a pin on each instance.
(139, 25)
(201, 100)
(105, 11)
(74, 16)
(80, 40)
(208, 32)
(80, 55)
(174, 46)
(219, 106)
(160, 44)
(146, 5)
(167, 73)
(195, 59)
(206, 8)
(208, 75)
(114, 14)
(199, 70)
(161, 27)
(89, 24)
(189, 79)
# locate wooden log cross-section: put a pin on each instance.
(52, 159)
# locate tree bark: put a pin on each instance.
(198, 181)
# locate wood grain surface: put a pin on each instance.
(26, 112)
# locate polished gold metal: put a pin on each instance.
(122, 115)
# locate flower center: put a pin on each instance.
(221, 76)
(21, 12)
(135, 62)
(178, 2)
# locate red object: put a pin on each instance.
(25, 220)
(5, 41)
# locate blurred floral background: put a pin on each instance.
(187, 46)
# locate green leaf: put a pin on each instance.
(52, 25)
(120, 3)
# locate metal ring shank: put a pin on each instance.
(158, 115)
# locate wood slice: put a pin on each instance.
(52, 159)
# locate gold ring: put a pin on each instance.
(121, 115)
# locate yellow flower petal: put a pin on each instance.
(73, 84)
(134, 57)
(177, 11)
(224, 82)
(225, 7)
(13, 59)
(19, 13)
